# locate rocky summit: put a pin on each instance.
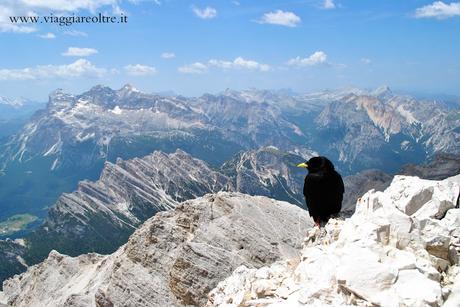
(400, 248)
(100, 216)
(174, 259)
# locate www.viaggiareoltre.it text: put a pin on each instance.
(69, 20)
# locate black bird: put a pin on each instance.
(323, 189)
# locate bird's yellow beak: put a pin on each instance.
(304, 165)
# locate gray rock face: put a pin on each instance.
(249, 121)
(104, 118)
(174, 259)
(357, 185)
(387, 128)
(70, 140)
(379, 257)
(96, 117)
(99, 216)
(372, 124)
(442, 167)
(11, 255)
(270, 172)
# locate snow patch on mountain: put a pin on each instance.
(407, 114)
(116, 110)
(55, 148)
(365, 121)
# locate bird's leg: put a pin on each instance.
(317, 222)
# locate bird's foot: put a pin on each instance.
(322, 234)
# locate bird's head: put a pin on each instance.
(317, 164)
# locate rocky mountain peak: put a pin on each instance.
(382, 92)
(267, 171)
(126, 194)
(15, 103)
(100, 95)
(174, 259)
(129, 87)
(400, 248)
(99, 88)
(246, 119)
(59, 99)
(126, 90)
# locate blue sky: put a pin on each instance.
(192, 47)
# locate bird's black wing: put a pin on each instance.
(312, 191)
(336, 195)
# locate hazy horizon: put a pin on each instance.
(416, 94)
(192, 48)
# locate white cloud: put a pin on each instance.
(157, 2)
(206, 13)
(32, 7)
(239, 63)
(48, 35)
(366, 61)
(438, 10)
(279, 17)
(117, 10)
(195, 68)
(140, 70)
(10, 8)
(329, 4)
(80, 52)
(168, 55)
(319, 57)
(79, 68)
(15, 28)
(75, 33)
(7, 26)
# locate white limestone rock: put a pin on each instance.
(174, 259)
(453, 300)
(410, 194)
(395, 251)
(387, 254)
(414, 289)
(362, 272)
(2, 299)
(452, 222)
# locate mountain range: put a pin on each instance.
(95, 166)
(14, 113)
(232, 249)
(72, 138)
(99, 216)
